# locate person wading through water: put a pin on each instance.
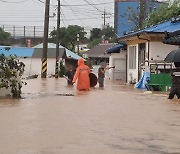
(175, 88)
(101, 73)
(82, 74)
(70, 74)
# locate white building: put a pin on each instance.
(144, 47)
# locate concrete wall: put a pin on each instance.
(33, 66)
(119, 72)
(158, 50)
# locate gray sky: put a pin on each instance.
(86, 13)
(29, 13)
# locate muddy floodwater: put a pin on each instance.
(53, 118)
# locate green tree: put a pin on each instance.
(108, 33)
(163, 13)
(95, 33)
(68, 36)
(94, 43)
(3, 35)
(11, 70)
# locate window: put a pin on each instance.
(132, 57)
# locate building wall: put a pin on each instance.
(121, 22)
(158, 50)
(118, 73)
(33, 66)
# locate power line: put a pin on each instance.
(62, 14)
(13, 2)
(87, 4)
(75, 13)
(93, 6)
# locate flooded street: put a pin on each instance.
(115, 120)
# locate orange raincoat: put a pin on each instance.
(82, 73)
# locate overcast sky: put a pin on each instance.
(86, 13)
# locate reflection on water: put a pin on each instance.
(55, 118)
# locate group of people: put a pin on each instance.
(82, 75)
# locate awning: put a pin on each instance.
(116, 48)
(71, 55)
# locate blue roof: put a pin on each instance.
(18, 51)
(28, 52)
(116, 48)
(169, 26)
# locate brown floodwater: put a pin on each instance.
(52, 118)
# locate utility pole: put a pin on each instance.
(104, 18)
(78, 43)
(45, 41)
(105, 15)
(57, 41)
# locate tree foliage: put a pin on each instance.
(3, 35)
(97, 35)
(163, 13)
(94, 42)
(105, 33)
(11, 69)
(108, 32)
(68, 36)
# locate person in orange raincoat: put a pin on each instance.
(82, 74)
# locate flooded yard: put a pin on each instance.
(53, 118)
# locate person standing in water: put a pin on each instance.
(101, 73)
(175, 88)
(70, 74)
(82, 74)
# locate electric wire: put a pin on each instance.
(75, 13)
(5, 1)
(78, 11)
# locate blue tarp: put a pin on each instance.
(143, 81)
